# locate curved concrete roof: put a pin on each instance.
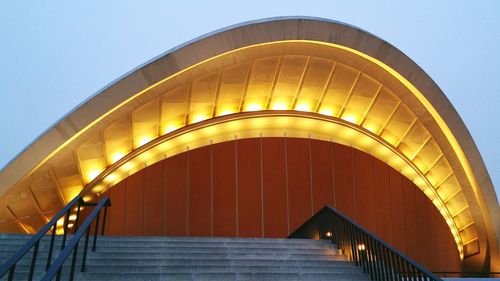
(317, 68)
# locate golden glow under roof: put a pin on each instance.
(270, 124)
(358, 97)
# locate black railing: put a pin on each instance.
(51, 227)
(56, 269)
(376, 257)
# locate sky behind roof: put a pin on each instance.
(56, 54)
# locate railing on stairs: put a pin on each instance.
(51, 227)
(376, 257)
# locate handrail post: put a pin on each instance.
(371, 259)
(354, 246)
(65, 228)
(33, 261)
(11, 272)
(85, 247)
(96, 230)
(73, 262)
(104, 219)
(51, 247)
(58, 276)
(77, 216)
(380, 263)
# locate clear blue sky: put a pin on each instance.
(55, 54)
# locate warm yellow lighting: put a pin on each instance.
(226, 112)
(60, 222)
(143, 140)
(98, 188)
(199, 118)
(419, 181)
(170, 128)
(355, 138)
(87, 198)
(253, 107)
(361, 247)
(72, 217)
(93, 174)
(128, 166)
(110, 178)
(350, 118)
(117, 156)
(326, 111)
(372, 129)
(449, 135)
(303, 107)
(70, 225)
(390, 138)
(279, 106)
(328, 234)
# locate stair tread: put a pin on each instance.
(195, 258)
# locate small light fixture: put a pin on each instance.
(328, 234)
(361, 247)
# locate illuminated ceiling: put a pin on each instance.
(346, 89)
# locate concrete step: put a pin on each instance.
(91, 262)
(89, 276)
(176, 247)
(26, 237)
(235, 256)
(226, 276)
(198, 258)
(185, 269)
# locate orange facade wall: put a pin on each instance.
(267, 187)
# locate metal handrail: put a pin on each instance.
(56, 268)
(376, 257)
(10, 265)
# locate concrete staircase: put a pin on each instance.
(179, 258)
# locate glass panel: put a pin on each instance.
(314, 83)
(203, 91)
(414, 140)
(91, 158)
(470, 232)
(448, 188)
(68, 177)
(398, 125)
(261, 80)
(173, 109)
(439, 172)
(381, 110)
(456, 204)
(118, 142)
(232, 86)
(340, 86)
(427, 155)
(362, 97)
(145, 123)
(289, 78)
